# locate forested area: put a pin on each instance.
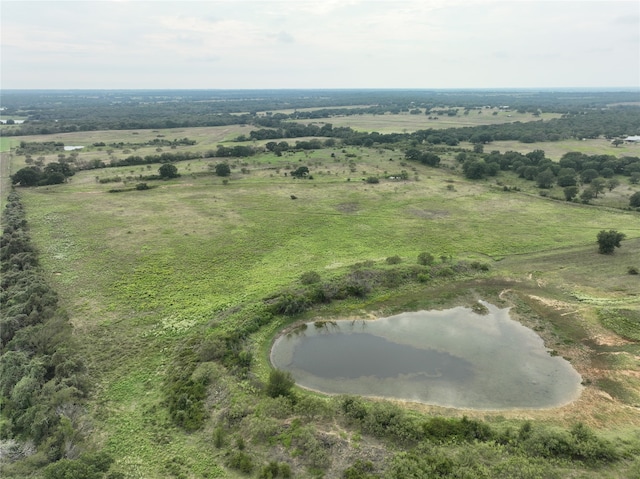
(55, 112)
(43, 381)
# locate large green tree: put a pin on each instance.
(168, 170)
(609, 240)
(28, 176)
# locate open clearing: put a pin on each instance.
(407, 123)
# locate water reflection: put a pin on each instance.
(451, 358)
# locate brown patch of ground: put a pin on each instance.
(428, 214)
(348, 207)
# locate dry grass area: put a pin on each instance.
(407, 123)
(555, 149)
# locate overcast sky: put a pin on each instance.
(319, 44)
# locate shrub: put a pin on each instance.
(291, 303)
(632, 270)
(218, 437)
(425, 258)
(358, 284)
(222, 169)
(242, 462)
(424, 277)
(310, 277)
(359, 470)
(394, 260)
(280, 383)
(478, 265)
(142, 186)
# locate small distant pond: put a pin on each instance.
(71, 148)
(454, 358)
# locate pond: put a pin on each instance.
(453, 358)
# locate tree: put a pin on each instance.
(587, 194)
(28, 176)
(168, 170)
(54, 178)
(223, 169)
(301, 172)
(58, 168)
(280, 383)
(545, 179)
(598, 185)
(570, 192)
(588, 175)
(609, 240)
(567, 179)
(612, 183)
(634, 200)
(474, 169)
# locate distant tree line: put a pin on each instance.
(58, 112)
(609, 123)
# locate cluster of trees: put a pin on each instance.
(37, 147)
(43, 382)
(425, 157)
(610, 123)
(573, 168)
(587, 124)
(52, 174)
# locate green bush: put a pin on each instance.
(394, 260)
(291, 303)
(218, 437)
(360, 470)
(242, 462)
(280, 383)
(425, 259)
(310, 277)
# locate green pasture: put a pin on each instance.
(140, 270)
(8, 142)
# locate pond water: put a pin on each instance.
(454, 358)
(73, 147)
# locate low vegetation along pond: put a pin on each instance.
(454, 358)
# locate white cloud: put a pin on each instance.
(332, 43)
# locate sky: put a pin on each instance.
(267, 44)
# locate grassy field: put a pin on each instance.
(407, 123)
(555, 149)
(138, 271)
